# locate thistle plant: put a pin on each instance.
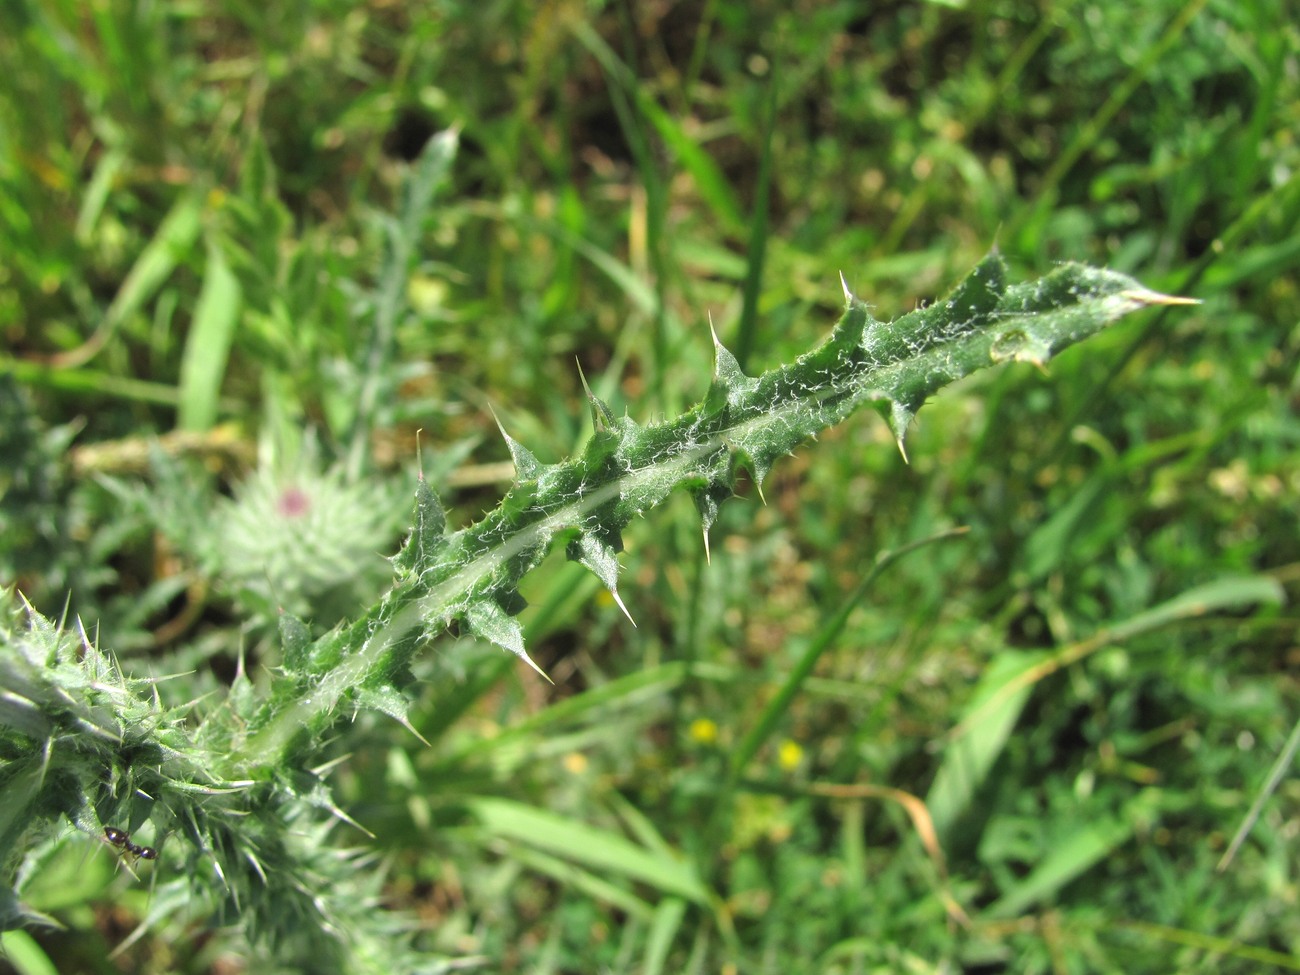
(234, 794)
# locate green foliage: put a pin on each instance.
(261, 752)
(625, 470)
(237, 277)
(256, 756)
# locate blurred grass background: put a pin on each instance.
(193, 202)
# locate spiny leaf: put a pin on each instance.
(490, 622)
(295, 641)
(527, 467)
(390, 701)
(741, 422)
(426, 536)
(602, 417)
(601, 557)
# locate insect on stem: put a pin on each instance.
(122, 840)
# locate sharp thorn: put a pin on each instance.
(405, 722)
(582, 376)
(1148, 297)
(529, 660)
(619, 599)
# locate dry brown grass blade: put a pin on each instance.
(922, 822)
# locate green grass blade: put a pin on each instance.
(587, 845)
(22, 952)
(107, 171)
(93, 382)
(582, 881)
(207, 350)
(747, 334)
(633, 287)
(169, 247)
(663, 931)
(713, 186)
(979, 737)
(1095, 128)
(1067, 861)
(426, 176)
(623, 693)
(1221, 595)
(825, 638)
(1211, 944)
(1275, 776)
(967, 761)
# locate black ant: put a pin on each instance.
(122, 840)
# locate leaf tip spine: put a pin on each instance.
(1145, 296)
(523, 655)
(405, 722)
(619, 599)
(728, 377)
(497, 420)
(602, 417)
